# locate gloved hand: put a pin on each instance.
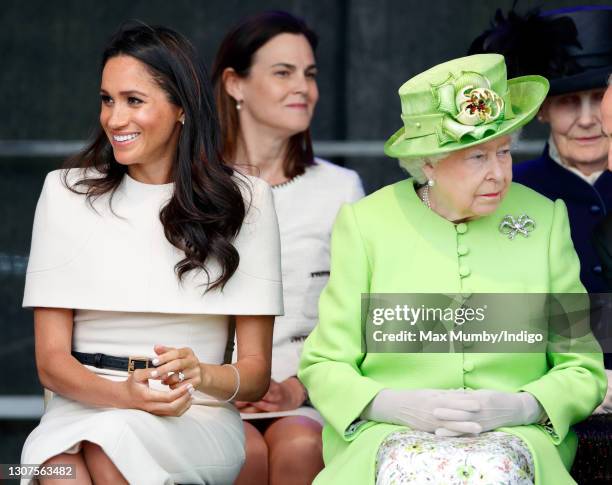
(606, 406)
(415, 409)
(495, 410)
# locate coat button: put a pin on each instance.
(464, 270)
(461, 228)
(595, 209)
(597, 269)
(468, 366)
(462, 250)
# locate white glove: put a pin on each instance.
(606, 406)
(495, 410)
(415, 409)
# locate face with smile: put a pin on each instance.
(140, 122)
(575, 124)
(280, 92)
(471, 183)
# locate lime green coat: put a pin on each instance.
(390, 242)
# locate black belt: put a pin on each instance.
(103, 361)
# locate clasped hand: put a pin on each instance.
(169, 363)
(281, 396)
(606, 406)
(454, 412)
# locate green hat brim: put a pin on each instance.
(526, 94)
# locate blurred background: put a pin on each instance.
(49, 83)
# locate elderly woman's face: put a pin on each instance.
(575, 124)
(471, 182)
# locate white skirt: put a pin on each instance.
(305, 411)
(203, 446)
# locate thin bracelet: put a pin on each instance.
(231, 398)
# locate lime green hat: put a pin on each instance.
(461, 103)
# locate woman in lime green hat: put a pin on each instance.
(460, 227)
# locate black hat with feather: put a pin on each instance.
(571, 47)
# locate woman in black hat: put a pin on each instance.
(573, 49)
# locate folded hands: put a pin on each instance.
(454, 412)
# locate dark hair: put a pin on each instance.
(207, 208)
(237, 51)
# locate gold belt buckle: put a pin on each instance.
(132, 360)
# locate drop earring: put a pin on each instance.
(239, 105)
(425, 194)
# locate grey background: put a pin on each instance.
(49, 79)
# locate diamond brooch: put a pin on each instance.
(511, 226)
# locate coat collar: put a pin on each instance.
(566, 178)
(436, 229)
(553, 153)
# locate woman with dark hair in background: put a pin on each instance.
(266, 90)
(131, 248)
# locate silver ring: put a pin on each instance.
(181, 376)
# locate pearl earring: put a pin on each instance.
(182, 120)
(239, 105)
(431, 183)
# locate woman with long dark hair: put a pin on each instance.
(265, 85)
(141, 251)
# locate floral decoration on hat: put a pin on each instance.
(462, 103)
(473, 108)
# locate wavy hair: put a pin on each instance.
(207, 208)
(237, 51)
